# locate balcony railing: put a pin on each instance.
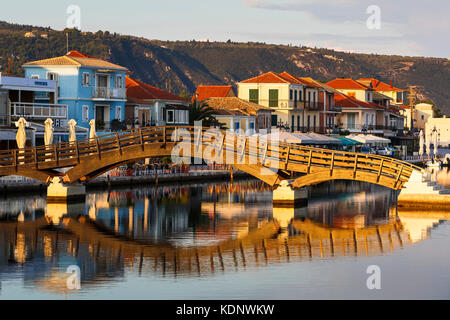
(108, 93)
(38, 110)
(368, 128)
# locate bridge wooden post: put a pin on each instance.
(141, 138)
(77, 152)
(118, 143)
(332, 164)
(310, 161)
(97, 144)
(380, 171)
(356, 167)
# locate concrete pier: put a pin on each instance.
(285, 196)
(58, 192)
(421, 192)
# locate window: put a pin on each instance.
(52, 76)
(254, 96)
(351, 121)
(119, 82)
(314, 96)
(293, 124)
(273, 98)
(299, 95)
(298, 123)
(119, 113)
(373, 120)
(423, 117)
(86, 79)
(170, 116)
(315, 122)
(291, 94)
(274, 120)
(399, 97)
(295, 96)
(237, 125)
(309, 123)
(85, 113)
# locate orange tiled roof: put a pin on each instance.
(347, 84)
(206, 92)
(75, 58)
(269, 77)
(298, 80)
(140, 92)
(346, 101)
(379, 85)
(236, 106)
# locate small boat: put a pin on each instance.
(434, 164)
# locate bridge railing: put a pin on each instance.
(290, 157)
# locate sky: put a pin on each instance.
(403, 27)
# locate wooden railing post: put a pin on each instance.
(380, 171)
(98, 148)
(356, 167)
(36, 158)
(398, 177)
(310, 161)
(118, 143)
(287, 158)
(55, 151)
(141, 138)
(77, 152)
(332, 164)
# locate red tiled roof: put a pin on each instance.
(298, 80)
(139, 92)
(269, 77)
(206, 92)
(347, 84)
(380, 85)
(346, 101)
(78, 54)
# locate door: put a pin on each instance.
(351, 121)
(100, 113)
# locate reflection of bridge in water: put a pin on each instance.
(265, 245)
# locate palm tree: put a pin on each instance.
(201, 112)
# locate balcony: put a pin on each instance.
(38, 111)
(108, 93)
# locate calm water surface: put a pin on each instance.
(222, 241)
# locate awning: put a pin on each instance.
(349, 142)
(369, 139)
(287, 137)
(321, 139)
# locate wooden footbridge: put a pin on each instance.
(268, 161)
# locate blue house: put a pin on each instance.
(91, 88)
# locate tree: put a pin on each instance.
(201, 112)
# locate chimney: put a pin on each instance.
(391, 83)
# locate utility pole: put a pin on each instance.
(411, 104)
(67, 43)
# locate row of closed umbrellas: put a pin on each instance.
(21, 136)
(432, 137)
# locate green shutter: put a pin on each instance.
(273, 98)
(254, 96)
(274, 120)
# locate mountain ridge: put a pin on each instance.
(180, 66)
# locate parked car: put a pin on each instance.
(385, 151)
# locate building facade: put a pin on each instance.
(91, 88)
(150, 106)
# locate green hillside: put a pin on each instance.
(180, 66)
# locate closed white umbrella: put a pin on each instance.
(421, 143)
(72, 130)
(21, 137)
(436, 142)
(48, 135)
(92, 132)
(428, 144)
